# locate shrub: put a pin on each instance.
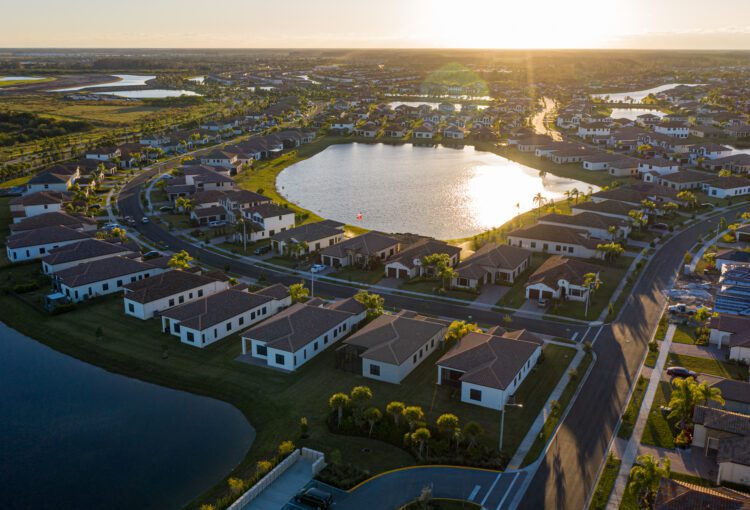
(22, 288)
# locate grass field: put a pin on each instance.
(634, 406)
(516, 296)
(709, 366)
(16, 83)
(605, 484)
(659, 431)
(434, 287)
(356, 274)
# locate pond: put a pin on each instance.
(639, 95)
(77, 436)
(633, 113)
(123, 80)
(435, 191)
(149, 93)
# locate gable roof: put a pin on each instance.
(102, 269)
(725, 421)
(86, 249)
(678, 495)
(558, 268)
(394, 339)
(498, 256)
(488, 360)
(216, 308)
(365, 244)
(555, 234)
(163, 285)
(308, 233)
(44, 235)
(295, 327)
(582, 220)
(51, 219)
(422, 248)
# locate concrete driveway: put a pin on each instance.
(491, 294)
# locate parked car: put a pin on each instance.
(315, 498)
(166, 208)
(153, 254)
(218, 223)
(318, 268)
(262, 250)
(111, 226)
(681, 372)
(660, 226)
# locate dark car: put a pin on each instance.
(315, 498)
(262, 250)
(166, 208)
(681, 372)
(151, 255)
(660, 226)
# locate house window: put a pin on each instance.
(119, 283)
(414, 359)
(280, 359)
(131, 308)
(262, 350)
(475, 395)
(241, 321)
(252, 316)
(171, 301)
(229, 326)
(181, 299)
(315, 346)
(176, 328)
(375, 370)
(200, 293)
(105, 286)
(189, 336)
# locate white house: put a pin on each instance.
(308, 238)
(57, 178)
(673, 129)
(732, 331)
(145, 298)
(103, 153)
(208, 319)
(408, 263)
(359, 249)
(727, 435)
(296, 335)
(488, 369)
(266, 220)
(34, 204)
(556, 240)
(560, 278)
(596, 225)
(102, 277)
(592, 129)
(492, 263)
(87, 250)
(658, 165)
(390, 347)
(219, 158)
(726, 187)
(37, 243)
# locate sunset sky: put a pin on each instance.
(646, 24)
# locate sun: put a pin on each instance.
(524, 24)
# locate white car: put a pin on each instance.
(145, 220)
(318, 268)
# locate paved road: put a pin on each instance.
(130, 205)
(567, 473)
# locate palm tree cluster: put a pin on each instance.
(686, 394)
(405, 426)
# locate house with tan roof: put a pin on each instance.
(296, 335)
(487, 369)
(390, 347)
(679, 495)
(360, 250)
(408, 263)
(727, 435)
(209, 319)
(557, 240)
(310, 237)
(596, 225)
(560, 278)
(492, 263)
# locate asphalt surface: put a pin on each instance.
(130, 205)
(567, 474)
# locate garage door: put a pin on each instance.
(546, 294)
(533, 294)
(392, 273)
(403, 273)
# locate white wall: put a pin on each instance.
(51, 269)
(572, 250)
(36, 210)
(396, 373)
(740, 354)
(105, 287)
(735, 473)
(35, 252)
(147, 310)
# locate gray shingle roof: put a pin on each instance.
(216, 308)
(98, 270)
(87, 249)
(366, 244)
(163, 285)
(44, 235)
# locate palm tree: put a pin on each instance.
(372, 415)
(683, 400)
(413, 414)
(472, 431)
(592, 282)
(447, 423)
(395, 409)
(339, 401)
(360, 396)
(539, 200)
(575, 193)
(705, 394)
(421, 436)
(645, 477)
(298, 292)
(457, 330)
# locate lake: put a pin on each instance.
(123, 80)
(633, 113)
(640, 95)
(149, 93)
(433, 105)
(76, 436)
(436, 191)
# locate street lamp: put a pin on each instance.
(502, 421)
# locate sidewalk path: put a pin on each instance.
(536, 427)
(632, 449)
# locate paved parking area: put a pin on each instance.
(491, 294)
(284, 488)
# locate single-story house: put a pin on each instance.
(492, 263)
(595, 224)
(35, 244)
(206, 320)
(146, 298)
(408, 263)
(555, 239)
(684, 180)
(728, 434)
(609, 208)
(54, 219)
(360, 250)
(311, 237)
(390, 347)
(732, 257)
(560, 278)
(731, 331)
(41, 202)
(678, 495)
(296, 335)
(726, 187)
(87, 250)
(102, 277)
(488, 369)
(736, 394)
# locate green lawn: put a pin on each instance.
(282, 261)
(516, 296)
(272, 401)
(606, 483)
(659, 431)
(709, 366)
(634, 407)
(356, 274)
(18, 181)
(434, 286)
(178, 221)
(610, 275)
(661, 330)
(551, 423)
(684, 334)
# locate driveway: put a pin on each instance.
(491, 489)
(283, 489)
(700, 351)
(491, 294)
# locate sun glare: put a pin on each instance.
(524, 24)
